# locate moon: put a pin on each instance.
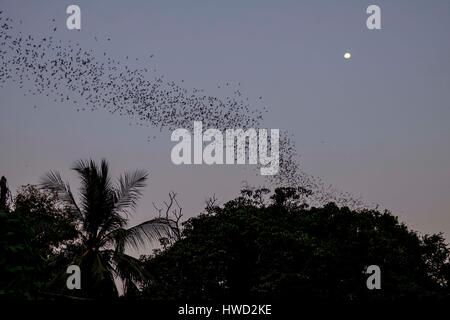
(347, 55)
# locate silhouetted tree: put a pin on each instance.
(102, 217)
(283, 250)
(36, 241)
(4, 192)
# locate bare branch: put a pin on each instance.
(172, 213)
(210, 203)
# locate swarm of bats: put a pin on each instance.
(89, 79)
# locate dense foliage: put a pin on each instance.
(258, 246)
(47, 230)
(280, 249)
(36, 242)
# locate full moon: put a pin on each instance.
(347, 55)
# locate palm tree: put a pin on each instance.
(102, 215)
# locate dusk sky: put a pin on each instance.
(376, 126)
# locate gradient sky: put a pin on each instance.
(375, 126)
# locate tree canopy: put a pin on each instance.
(48, 229)
(36, 243)
(261, 245)
(280, 249)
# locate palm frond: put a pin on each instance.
(97, 197)
(94, 178)
(52, 181)
(128, 191)
(138, 236)
(82, 168)
(129, 268)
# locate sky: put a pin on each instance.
(376, 126)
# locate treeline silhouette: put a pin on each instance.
(262, 245)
